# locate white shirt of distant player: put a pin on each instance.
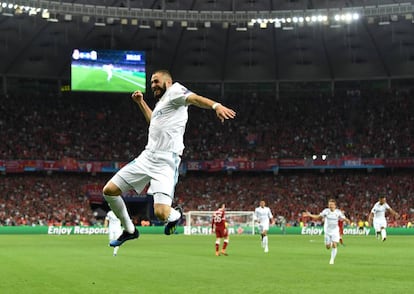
(168, 121)
(331, 220)
(263, 215)
(379, 211)
(114, 225)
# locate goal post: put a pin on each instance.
(238, 222)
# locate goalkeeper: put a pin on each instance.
(219, 226)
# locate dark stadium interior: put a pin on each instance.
(339, 91)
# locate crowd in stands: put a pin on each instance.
(44, 200)
(58, 199)
(112, 129)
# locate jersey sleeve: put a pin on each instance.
(179, 94)
(270, 214)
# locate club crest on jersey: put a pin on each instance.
(158, 113)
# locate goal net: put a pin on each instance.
(238, 222)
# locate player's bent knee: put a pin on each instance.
(111, 189)
(162, 211)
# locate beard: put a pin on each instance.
(158, 92)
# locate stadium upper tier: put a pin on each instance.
(363, 124)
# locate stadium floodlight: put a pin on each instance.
(85, 18)
(157, 23)
(263, 25)
(144, 26)
(99, 23)
(170, 23)
(45, 14)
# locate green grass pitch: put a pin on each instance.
(187, 264)
(95, 79)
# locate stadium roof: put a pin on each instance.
(215, 40)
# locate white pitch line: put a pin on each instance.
(131, 81)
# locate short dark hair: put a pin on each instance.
(164, 72)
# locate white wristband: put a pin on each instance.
(215, 105)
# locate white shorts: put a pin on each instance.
(379, 223)
(331, 237)
(159, 169)
(263, 227)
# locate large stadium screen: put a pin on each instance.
(108, 70)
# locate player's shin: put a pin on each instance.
(117, 204)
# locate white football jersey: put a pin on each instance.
(263, 214)
(168, 121)
(113, 221)
(331, 219)
(379, 210)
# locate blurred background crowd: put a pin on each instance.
(87, 127)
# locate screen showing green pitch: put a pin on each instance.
(108, 70)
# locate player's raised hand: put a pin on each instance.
(137, 96)
(224, 112)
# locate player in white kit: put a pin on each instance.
(377, 217)
(330, 217)
(114, 228)
(263, 217)
(158, 163)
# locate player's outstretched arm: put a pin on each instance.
(394, 213)
(138, 98)
(313, 216)
(222, 111)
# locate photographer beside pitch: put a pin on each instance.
(158, 163)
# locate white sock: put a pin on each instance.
(265, 242)
(117, 204)
(333, 253)
(174, 215)
(383, 233)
